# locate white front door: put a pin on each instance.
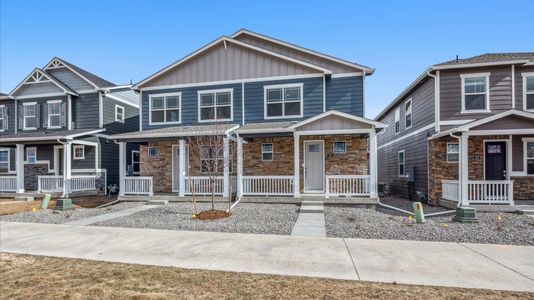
(313, 166)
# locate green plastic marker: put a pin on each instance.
(46, 200)
(418, 210)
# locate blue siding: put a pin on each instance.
(85, 111)
(42, 101)
(345, 94)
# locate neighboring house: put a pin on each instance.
(293, 119)
(54, 128)
(466, 129)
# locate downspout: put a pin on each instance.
(16, 116)
(459, 172)
(64, 193)
(436, 99)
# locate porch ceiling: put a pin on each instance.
(46, 136)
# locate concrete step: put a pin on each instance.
(311, 203)
(529, 212)
(157, 202)
(312, 209)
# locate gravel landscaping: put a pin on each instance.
(406, 205)
(347, 222)
(245, 218)
(58, 217)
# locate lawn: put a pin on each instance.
(33, 277)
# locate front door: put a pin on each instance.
(176, 167)
(313, 166)
(495, 156)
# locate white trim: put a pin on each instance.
(111, 96)
(447, 153)
(264, 130)
(117, 107)
(334, 148)
(525, 75)
(74, 148)
(132, 161)
(271, 152)
(283, 100)
(304, 166)
(487, 92)
(51, 138)
(167, 134)
(243, 103)
(500, 132)
(350, 74)
(173, 175)
(437, 95)
(496, 117)
(215, 106)
(455, 122)
(140, 110)
(42, 74)
(69, 112)
(51, 115)
(8, 160)
(100, 110)
(418, 131)
(40, 96)
(34, 115)
(148, 152)
(71, 69)
(324, 93)
(28, 149)
(506, 158)
(86, 143)
(406, 113)
(339, 114)
(403, 164)
(513, 86)
(525, 141)
(164, 109)
(3, 118)
(335, 131)
(497, 63)
(72, 136)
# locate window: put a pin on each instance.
(408, 114)
(529, 156)
(397, 120)
(453, 152)
(3, 118)
(54, 113)
(31, 155)
(475, 92)
(4, 160)
(401, 163)
(136, 162)
(79, 151)
(340, 147)
(165, 108)
(152, 152)
(267, 152)
(215, 105)
(119, 113)
(30, 115)
(283, 101)
(210, 160)
(528, 91)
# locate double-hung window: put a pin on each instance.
(136, 162)
(397, 120)
(528, 91)
(54, 113)
(165, 108)
(79, 151)
(211, 160)
(283, 101)
(529, 155)
(475, 92)
(401, 163)
(3, 117)
(30, 115)
(408, 113)
(267, 152)
(453, 152)
(4, 160)
(215, 105)
(119, 113)
(31, 155)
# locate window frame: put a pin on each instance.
(164, 109)
(525, 91)
(3, 118)
(403, 163)
(447, 152)
(397, 121)
(28, 149)
(49, 115)
(526, 141)
(299, 85)
(134, 162)
(487, 92)
(334, 147)
(148, 152)
(74, 148)
(117, 107)
(24, 117)
(8, 162)
(215, 106)
(267, 152)
(406, 114)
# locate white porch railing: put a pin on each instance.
(450, 190)
(202, 185)
(480, 191)
(267, 185)
(347, 185)
(49, 183)
(8, 183)
(80, 183)
(138, 185)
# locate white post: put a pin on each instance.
(122, 168)
(19, 167)
(226, 159)
(296, 161)
(67, 168)
(181, 169)
(373, 188)
(464, 174)
(239, 167)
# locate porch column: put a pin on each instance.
(67, 168)
(181, 171)
(296, 166)
(122, 168)
(464, 174)
(19, 167)
(226, 159)
(373, 184)
(239, 167)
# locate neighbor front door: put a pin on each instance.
(175, 169)
(313, 166)
(495, 156)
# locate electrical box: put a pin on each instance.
(410, 174)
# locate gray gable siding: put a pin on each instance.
(38, 89)
(85, 111)
(10, 104)
(131, 117)
(345, 95)
(189, 104)
(70, 79)
(42, 102)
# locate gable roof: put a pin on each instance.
(36, 75)
(339, 114)
(91, 78)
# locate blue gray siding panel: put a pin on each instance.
(11, 116)
(42, 102)
(85, 111)
(131, 117)
(70, 79)
(345, 94)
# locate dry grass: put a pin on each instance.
(32, 277)
(8, 206)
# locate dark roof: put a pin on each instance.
(98, 81)
(489, 58)
(43, 135)
(177, 131)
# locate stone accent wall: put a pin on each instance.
(30, 175)
(160, 167)
(523, 188)
(282, 163)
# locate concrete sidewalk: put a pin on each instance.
(422, 263)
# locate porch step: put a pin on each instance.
(23, 198)
(311, 207)
(157, 202)
(525, 210)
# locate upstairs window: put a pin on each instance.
(267, 152)
(408, 115)
(3, 117)
(283, 101)
(31, 155)
(30, 115)
(4, 160)
(401, 163)
(215, 105)
(165, 108)
(54, 113)
(453, 152)
(528, 91)
(397, 120)
(119, 113)
(475, 93)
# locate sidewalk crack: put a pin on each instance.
(351, 259)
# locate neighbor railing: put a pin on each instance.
(55, 183)
(347, 185)
(49, 183)
(202, 185)
(138, 185)
(268, 185)
(480, 191)
(80, 183)
(8, 183)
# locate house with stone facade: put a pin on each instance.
(465, 130)
(54, 132)
(291, 118)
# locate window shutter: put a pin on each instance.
(37, 115)
(6, 120)
(63, 114)
(21, 117)
(45, 115)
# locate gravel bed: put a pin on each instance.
(58, 217)
(245, 218)
(406, 205)
(347, 222)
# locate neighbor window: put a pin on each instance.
(397, 120)
(30, 115)
(3, 117)
(79, 151)
(453, 152)
(211, 159)
(119, 113)
(408, 114)
(283, 101)
(215, 105)
(528, 91)
(529, 157)
(54, 113)
(165, 108)
(401, 163)
(475, 92)
(340, 147)
(31, 155)
(267, 151)
(152, 152)
(136, 162)
(4, 160)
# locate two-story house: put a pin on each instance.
(292, 117)
(465, 129)
(54, 129)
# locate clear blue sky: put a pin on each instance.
(130, 40)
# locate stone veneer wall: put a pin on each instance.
(282, 163)
(31, 171)
(523, 187)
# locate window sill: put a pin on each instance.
(478, 111)
(54, 127)
(215, 121)
(78, 158)
(164, 123)
(30, 128)
(283, 117)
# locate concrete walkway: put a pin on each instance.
(310, 221)
(112, 215)
(423, 263)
